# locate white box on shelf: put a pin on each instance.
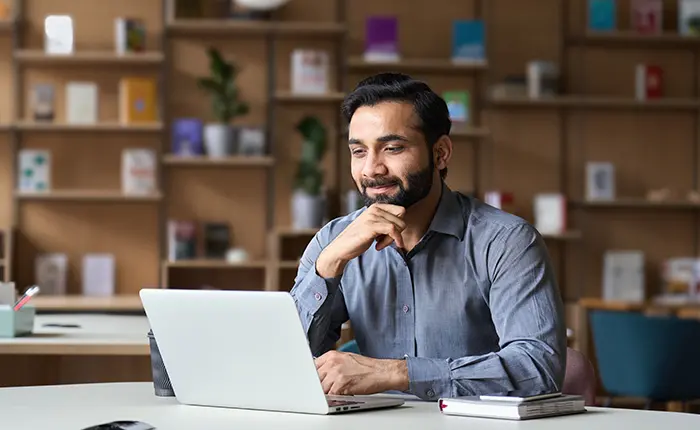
(98, 275)
(138, 171)
(58, 34)
(600, 181)
(623, 276)
(550, 213)
(310, 71)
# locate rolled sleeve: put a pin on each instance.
(429, 378)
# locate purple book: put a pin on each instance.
(382, 39)
(187, 137)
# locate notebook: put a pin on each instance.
(508, 409)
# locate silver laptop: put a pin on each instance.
(242, 349)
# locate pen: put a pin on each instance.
(31, 291)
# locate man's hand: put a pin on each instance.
(344, 373)
(382, 222)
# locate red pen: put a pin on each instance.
(31, 291)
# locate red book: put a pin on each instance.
(649, 82)
(647, 16)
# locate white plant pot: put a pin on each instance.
(218, 140)
(307, 210)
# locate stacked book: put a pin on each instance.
(513, 408)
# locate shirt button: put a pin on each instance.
(405, 308)
(430, 393)
(318, 296)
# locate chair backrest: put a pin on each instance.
(349, 346)
(580, 378)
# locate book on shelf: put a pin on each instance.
(139, 171)
(43, 102)
(138, 100)
(623, 276)
(382, 39)
(689, 17)
(648, 82)
(458, 106)
(51, 273)
(550, 213)
(646, 16)
(98, 275)
(81, 102)
(58, 34)
(187, 140)
(468, 41)
(34, 170)
(251, 141)
(310, 71)
(182, 240)
(217, 239)
(602, 15)
(542, 79)
(681, 278)
(130, 35)
(600, 181)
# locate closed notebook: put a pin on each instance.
(473, 406)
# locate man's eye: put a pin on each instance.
(394, 148)
(357, 152)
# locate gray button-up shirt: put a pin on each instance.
(474, 308)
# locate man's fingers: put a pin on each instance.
(388, 216)
(392, 232)
(395, 210)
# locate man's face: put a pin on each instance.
(390, 160)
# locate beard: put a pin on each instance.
(418, 185)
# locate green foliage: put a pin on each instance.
(309, 175)
(221, 86)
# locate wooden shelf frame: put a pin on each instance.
(108, 58)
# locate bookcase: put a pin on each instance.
(520, 145)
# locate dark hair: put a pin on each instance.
(430, 108)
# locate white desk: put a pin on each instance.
(97, 335)
(73, 407)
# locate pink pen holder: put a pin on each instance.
(16, 323)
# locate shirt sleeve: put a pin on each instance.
(527, 313)
(319, 300)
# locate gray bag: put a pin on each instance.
(161, 380)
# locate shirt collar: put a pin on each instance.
(448, 218)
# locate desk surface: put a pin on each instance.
(73, 407)
(96, 335)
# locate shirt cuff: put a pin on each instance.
(316, 290)
(428, 378)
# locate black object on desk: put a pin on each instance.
(61, 325)
(122, 425)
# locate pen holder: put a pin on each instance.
(161, 380)
(16, 323)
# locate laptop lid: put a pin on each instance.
(242, 349)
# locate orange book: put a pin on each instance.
(138, 100)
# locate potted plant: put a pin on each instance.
(308, 202)
(220, 136)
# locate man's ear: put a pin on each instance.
(442, 152)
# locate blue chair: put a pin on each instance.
(349, 346)
(652, 357)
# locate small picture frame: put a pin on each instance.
(600, 181)
(251, 141)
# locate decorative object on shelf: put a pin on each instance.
(236, 255)
(500, 200)
(382, 39)
(255, 9)
(217, 240)
(623, 276)
(468, 41)
(310, 71)
(139, 171)
(648, 82)
(550, 213)
(693, 196)
(58, 34)
(43, 96)
(308, 201)
(219, 137)
(659, 195)
(602, 15)
(689, 17)
(681, 277)
(99, 275)
(458, 106)
(251, 141)
(542, 79)
(646, 16)
(130, 35)
(51, 273)
(187, 137)
(82, 102)
(34, 170)
(600, 181)
(182, 240)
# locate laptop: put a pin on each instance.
(242, 349)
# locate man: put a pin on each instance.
(446, 295)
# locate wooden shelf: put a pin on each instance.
(568, 235)
(631, 203)
(215, 264)
(434, 65)
(85, 195)
(105, 127)
(635, 40)
(35, 56)
(77, 303)
(241, 27)
(599, 102)
(289, 97)
(234, 161)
